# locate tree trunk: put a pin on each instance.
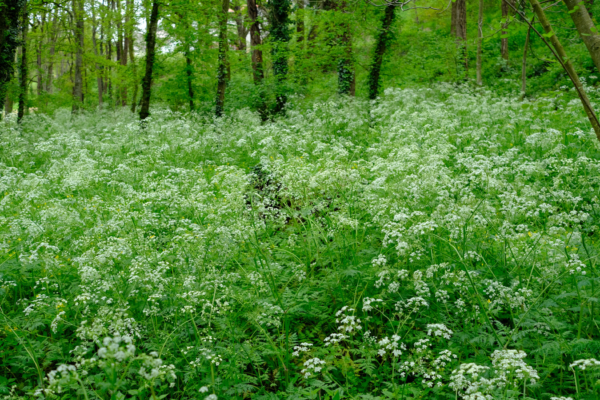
(524, 65)
(568, 65)
(453, 16)
(10, 11)
(346, 76)
(23, 68)
(461, 34)
(150, 49)
(129, 32)
(188, 62)
(98, 66)
(280, 34)
(257, 58)
(51, 51)
(124, 47)
(8, 105)
(585, 26)
(78, 34)
(255, 43)
(222, 61)
(504, 39)
(40, 43)
(479, 44)
(384, 38)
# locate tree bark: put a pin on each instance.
(23, 68)
(79, 36)
(384, 38)
(255, 43)
(51, 51)
(124, 48)
(568, 66)
(504, 39)
(222, 61)
(10, 10)
(40, 43)
(585, 26)
(461, 33)
(8, 105)
(346, 75)
(130, 29)
(150, 49)
(524, 65)
(98, 66)
(479, 44)
(280, 36)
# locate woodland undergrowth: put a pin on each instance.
(438, 242)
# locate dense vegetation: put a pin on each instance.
(332, 200)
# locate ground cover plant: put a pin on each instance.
(438, 242)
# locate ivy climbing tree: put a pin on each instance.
(280, 36)
(384, 39)
(10, 10)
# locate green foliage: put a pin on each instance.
(348, 250)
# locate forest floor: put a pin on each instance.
(439, 242)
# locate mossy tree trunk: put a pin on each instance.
(150, 54)
(384, 39)
(23, 68)
(222, 66)
(78, 34)
(280, 37)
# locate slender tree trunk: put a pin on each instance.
(461, 34)
(40, 43)
(8, 105)
(222, 61)
(150, 49)
(257, 58)
(98, 66)
(124, 47)
(51, 51)
(585, 26)
(255, 43)
(78, 35)
(568, 65)
(453, 17)
(23, 68)
(504, 39)
(524, 65)
(384, 38)
(280, 34)
(479, 44)
(346, 75)
(188, 71)
(132, 56)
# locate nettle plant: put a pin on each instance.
(437, 242)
